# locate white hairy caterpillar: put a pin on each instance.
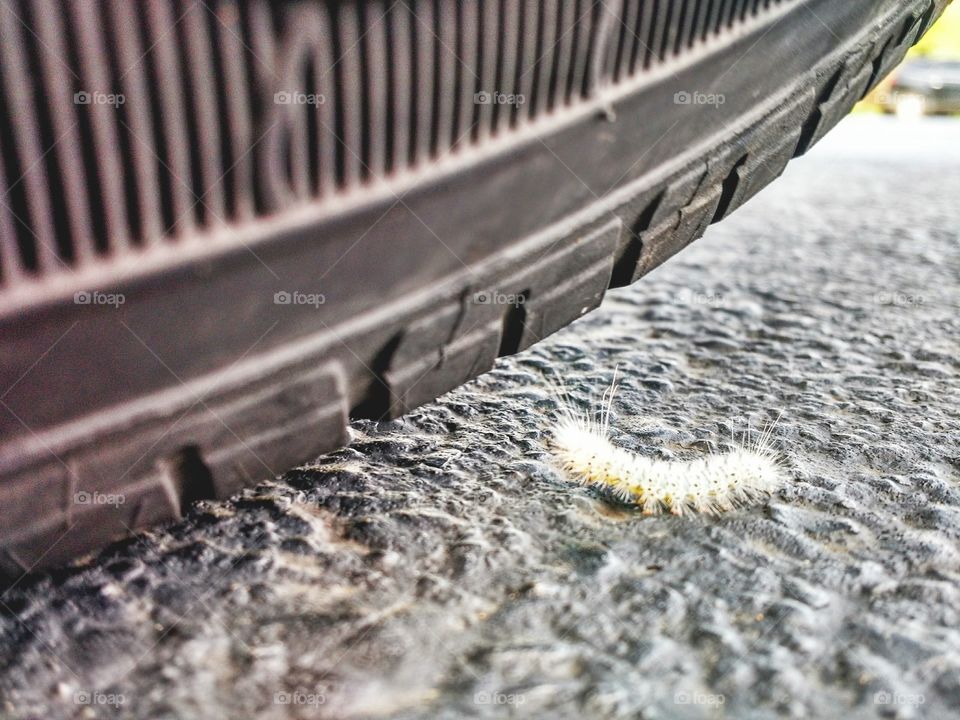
(712, 484)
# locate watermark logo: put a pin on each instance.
(98, 498)
(299, 697)
(900, 299)
(689, 297)
(885, 697)
(498, 98)
(87, 697)
(85, 297)
(492, 297)
(698, 698)
(295, 97)
(905, 104)
(298, 298)
(88, 97)
(685, 97)
(498, 698)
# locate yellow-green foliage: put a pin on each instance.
(942, 41)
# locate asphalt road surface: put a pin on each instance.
(440, 567)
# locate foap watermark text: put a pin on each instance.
(299, 298)
(492, 297)
(498, 98)
(685, 97)
(296, 97)
(86, 297)
(95, 97)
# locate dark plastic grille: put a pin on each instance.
(235, 110)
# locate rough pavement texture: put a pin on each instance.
(441, 568)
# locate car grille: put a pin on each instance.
(125, 126)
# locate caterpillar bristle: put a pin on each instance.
(717, 483)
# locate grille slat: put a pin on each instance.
(715, 17)
(60, 94)
(623, 29)
(507, 75)
(655, 38)
(375, 44)
(349, 95)
(238, 178)
(203, 140)
(583, 29)
(487, 63)
(701, 22)
(201, 89)
(294, 132)
(545, 49)
(400, 89)
(303, 111)
(670, 31)
(425, 98)
(643, 41)
(564, 48)
(139, 121)
(173, 143)
(26, 149)
(525, 72)
(266, 80)
(467, 68)
(601, 53)
(736, 6)
(107, 164)
(684, 27)
(11, 269)
(328, 145)
(446, 49)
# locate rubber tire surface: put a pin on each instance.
(223, 365)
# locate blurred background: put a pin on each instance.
(927, 83)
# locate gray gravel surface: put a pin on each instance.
(440, 567)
